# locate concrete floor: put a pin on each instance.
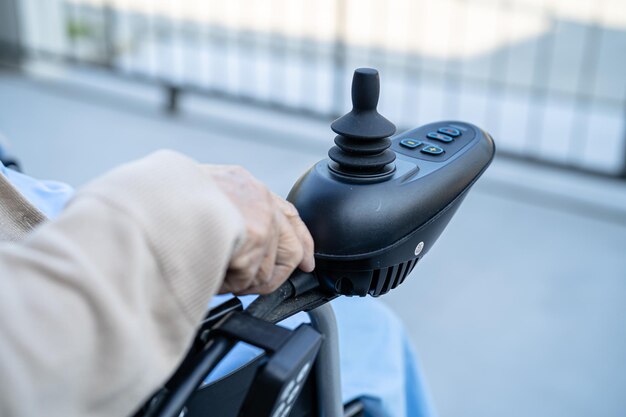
(519, 310)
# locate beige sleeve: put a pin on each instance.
(99, 306)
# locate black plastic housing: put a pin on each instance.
(280, 381)
(370, 231)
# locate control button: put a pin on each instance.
(461, 128)
(432, 150)
(440, 137)
(410, 143)
(450, 131)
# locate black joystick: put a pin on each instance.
(363, 134)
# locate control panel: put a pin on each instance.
(435, 142)
(380, 201)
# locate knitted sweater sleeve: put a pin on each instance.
(99, 306)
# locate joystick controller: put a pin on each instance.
(379, 203)
(362, 139)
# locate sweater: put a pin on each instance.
(99, 306)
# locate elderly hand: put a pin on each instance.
(276, 241)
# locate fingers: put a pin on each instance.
(276, 240)
(265, 281)
(303, 235)
(288, 255)
(289, 252)
(266, 270)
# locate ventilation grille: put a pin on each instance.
(387, 279)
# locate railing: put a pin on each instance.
(546, 78)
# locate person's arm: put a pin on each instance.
(98, 306)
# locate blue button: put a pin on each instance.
(440, 137)
(450, 131)
(410, 143)
(432, 150)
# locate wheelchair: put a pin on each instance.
(375, 207)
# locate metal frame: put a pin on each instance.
(327, 370)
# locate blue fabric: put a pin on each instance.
(377, 360)
(48, 196)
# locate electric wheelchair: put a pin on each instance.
(375, 207)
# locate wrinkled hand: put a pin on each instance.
(276, 241)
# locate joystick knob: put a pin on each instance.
(363, 134)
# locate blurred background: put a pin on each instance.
(521, 308)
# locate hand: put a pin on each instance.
(276, 241)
